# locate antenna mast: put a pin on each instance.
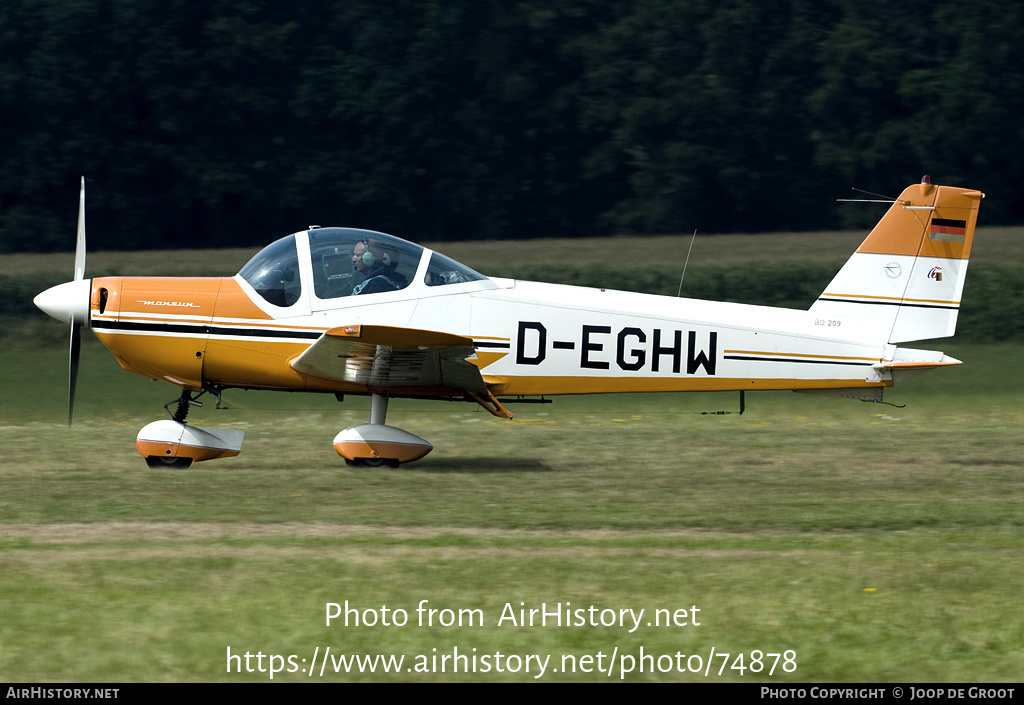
(692, 238)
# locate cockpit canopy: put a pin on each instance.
(347, 262)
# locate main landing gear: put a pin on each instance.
(174, 444)
(375, 444)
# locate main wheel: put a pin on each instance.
(372, 463)
(155, 461)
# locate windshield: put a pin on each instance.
(274, 272)
(444, 270)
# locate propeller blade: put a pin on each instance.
(75, 346)
(80, 242)
(75, 350)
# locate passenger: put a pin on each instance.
(371, 260)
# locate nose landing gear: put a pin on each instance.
(174, 444)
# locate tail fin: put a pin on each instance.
(905, 280)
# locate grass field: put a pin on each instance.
(876, 543)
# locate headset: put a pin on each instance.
(369, 259)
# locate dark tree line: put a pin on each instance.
(230, 123)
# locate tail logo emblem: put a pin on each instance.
(935, 273)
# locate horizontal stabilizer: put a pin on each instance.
(908, 363)
(908, 359)
(916, 365)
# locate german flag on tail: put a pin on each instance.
(948, 230)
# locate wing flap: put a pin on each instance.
(382, 357)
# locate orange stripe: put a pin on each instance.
(802, 355)
(890, 298)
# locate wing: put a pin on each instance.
(385, 357)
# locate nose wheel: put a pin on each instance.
(172, 443)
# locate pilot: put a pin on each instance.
(371, 260)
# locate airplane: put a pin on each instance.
(351, 311)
